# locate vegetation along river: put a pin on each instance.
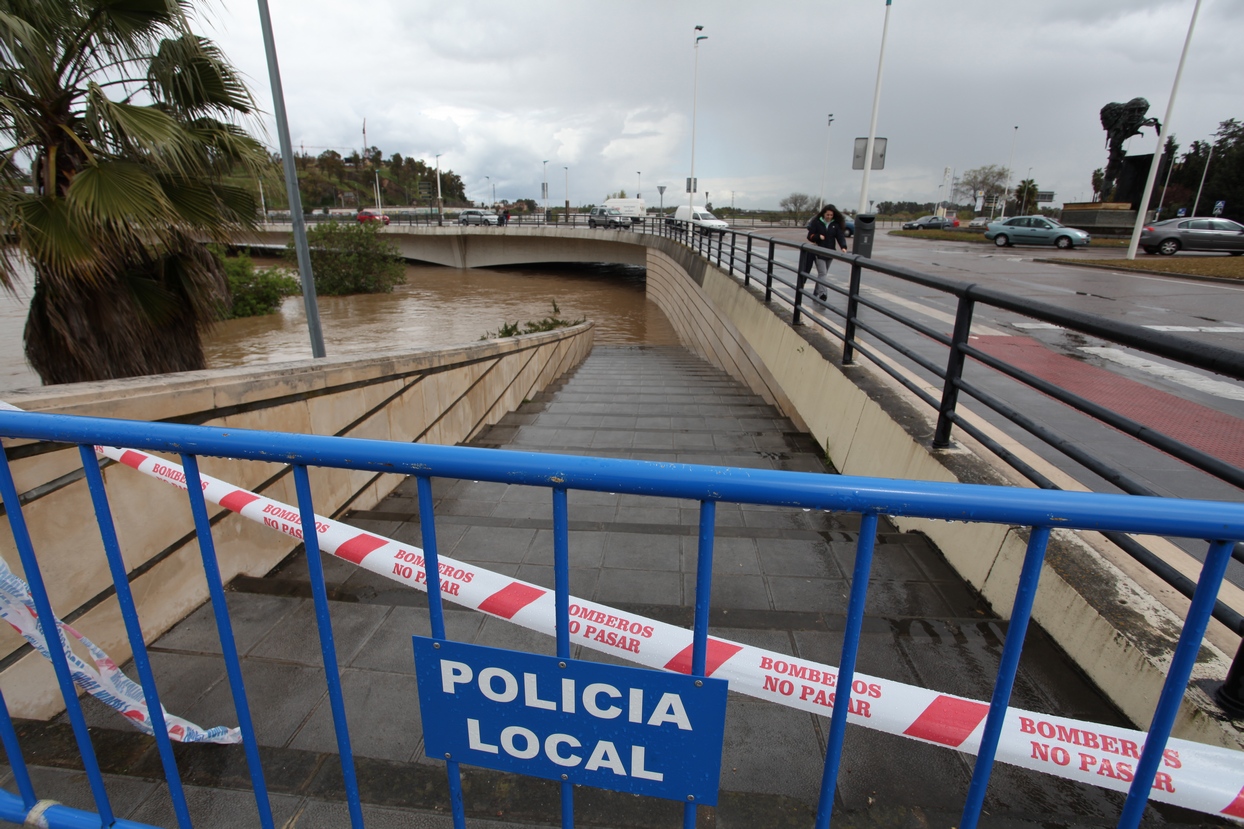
(437, 306)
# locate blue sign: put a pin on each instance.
(1181, 212)
(1219, 206)
(612, 727)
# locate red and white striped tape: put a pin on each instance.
(1206, 778)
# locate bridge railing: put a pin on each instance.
(905, 348)
(1040, 511)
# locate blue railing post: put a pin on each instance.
(703, 594)
(561, 587)
(328, 648)
(846, 667)
(134, 631)
(954, 368)
(436, 616)
(1017, 629)
(224, 629)
(734, 243)
(1182, 661)
(52, 636)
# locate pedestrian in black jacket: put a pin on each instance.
(826, 231)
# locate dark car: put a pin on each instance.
(368, 216)
(849, 228)
(929, 223)
(1174, 235)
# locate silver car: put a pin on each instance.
(1035, 230)
(471, 216)
(1174, 235)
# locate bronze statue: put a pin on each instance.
(1121, 122)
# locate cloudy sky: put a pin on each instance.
(605, 88)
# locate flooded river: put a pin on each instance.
(437, 306)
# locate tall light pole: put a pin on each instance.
(872, 124)
(639, 181)
(440, 204)
(824, 165)
(1006, 190)
(494, 189)
(291, 189)
(567, 169)
(546, 189)
(695, 91)
(1024, 184)
(1201, 186)
(1141, 214)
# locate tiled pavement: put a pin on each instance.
(781, 584)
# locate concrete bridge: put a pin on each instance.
(861, 422)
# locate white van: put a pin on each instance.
(700, 217)
(633, 209)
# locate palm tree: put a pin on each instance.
(1026, 195)
(118, 124)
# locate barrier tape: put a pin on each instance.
(101, 678)
(1205, 778)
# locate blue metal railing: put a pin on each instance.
(1221, 524)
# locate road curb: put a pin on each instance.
(1079, 263)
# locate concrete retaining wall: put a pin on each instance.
(1117, 631)
(431, 396)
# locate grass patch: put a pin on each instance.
(1226, 267)
(978, 237)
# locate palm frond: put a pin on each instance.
(119, 192)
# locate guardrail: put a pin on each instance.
(1041, 511)
(756, 258)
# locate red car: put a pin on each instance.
(368, 216)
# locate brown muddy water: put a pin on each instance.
(437, 306)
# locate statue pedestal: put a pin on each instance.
(1100, 218)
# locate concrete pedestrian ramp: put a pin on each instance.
(780, 583)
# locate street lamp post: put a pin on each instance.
(1130, 806)
(546, 189)
(494, 190)
(872, 126)
(567, 169)
(824, 165)
(440, 203)
(695, 91)
(1201, 186)
(1024, 184)
(1006, 190)
(639, 181)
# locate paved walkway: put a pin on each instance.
(782, 585)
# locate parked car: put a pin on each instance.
(608, 217)
(980, 222)
(368, 216)
(1035, 230)
(849, 228)
(704, 221)
(471, 216)
(929, 223)
(1174, 235)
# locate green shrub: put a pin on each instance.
(253, 291)
(351, 258)
(549, 323)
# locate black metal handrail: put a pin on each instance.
(749, 253)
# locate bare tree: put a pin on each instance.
(797, 203)
(992, 178)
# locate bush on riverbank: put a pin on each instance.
(253, 291)
(351, 258)
(549, 323)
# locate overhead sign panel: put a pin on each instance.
(608, 726)
(1045, 196)
(861, 146)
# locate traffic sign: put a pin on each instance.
(612, 727)
(861, 145)
(1219, 206)
(1181, 212)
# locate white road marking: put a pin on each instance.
(1203, 329)
(941, 316)
(1177, 375)
(1040, 326)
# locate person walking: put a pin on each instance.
(826, 230)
